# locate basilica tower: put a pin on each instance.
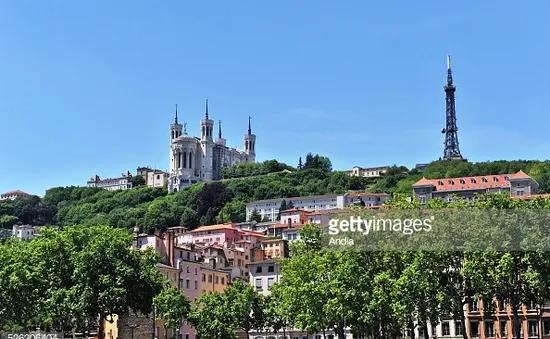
(207, 146)
(250, 144)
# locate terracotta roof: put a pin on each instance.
(273, 240)
(520, 175)
(18, 192)
(254, 233)
(471, 183)
(215, 227)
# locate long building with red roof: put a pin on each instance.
(517, 185)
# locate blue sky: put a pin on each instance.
(89, 87)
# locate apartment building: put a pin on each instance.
(516, 185)
(269, 209)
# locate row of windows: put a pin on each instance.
(270, 269)
(215, 279)
(532, 328)
(472, 181)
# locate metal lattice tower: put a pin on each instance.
(451, 151)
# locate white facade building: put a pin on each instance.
(153, 177)
(123, 182)
(24, 232)
(368, 172)
(269, 209)
(13, 195)
(194, 159)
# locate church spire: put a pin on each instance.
(249, 127)
(206, 109)
(219, 129)
(176, 120)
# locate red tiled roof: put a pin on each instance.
(16, 192)
(215, 227)
(471, 183)
(520, 175)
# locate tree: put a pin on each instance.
(300, 164)
(173, 307)
(290, 205)
(234, 211)
(7, 221)
(255, 216)
(283, 207)
(211, 317)
(137, 181)
(245, 305)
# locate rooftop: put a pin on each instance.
(472, 183)
(15, 192)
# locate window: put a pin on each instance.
(451, 182)
(259, 269)
(546, 327)
(474, 329)
(533, 328)
(210, 278)
(519, 192)
(473, 181)
(196, 285)
(489, 329)
(270, 282)
(473, 307)
(217, 280)
(196, 271)
(440, 183)
(187, 284)
(445, 328)
(532, 305)
(188, 269)
(186, 336)
(483, 179)
(462, 181)
(188, 256)
(506, 178)
(223, 281)
(259, 284)
(271, 269)
(495, 179)
(458, 328)
(203, 277)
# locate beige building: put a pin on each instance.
(517, 185)
(13, 195)
(368, 172)
(153, 177)
(123, 182)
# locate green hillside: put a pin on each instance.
(223, 201)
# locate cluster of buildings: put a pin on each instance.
(152, 178)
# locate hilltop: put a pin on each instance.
(224, 201)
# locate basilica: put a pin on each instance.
(194, 159)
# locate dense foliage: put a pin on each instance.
(223, 201)
(75, 279)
